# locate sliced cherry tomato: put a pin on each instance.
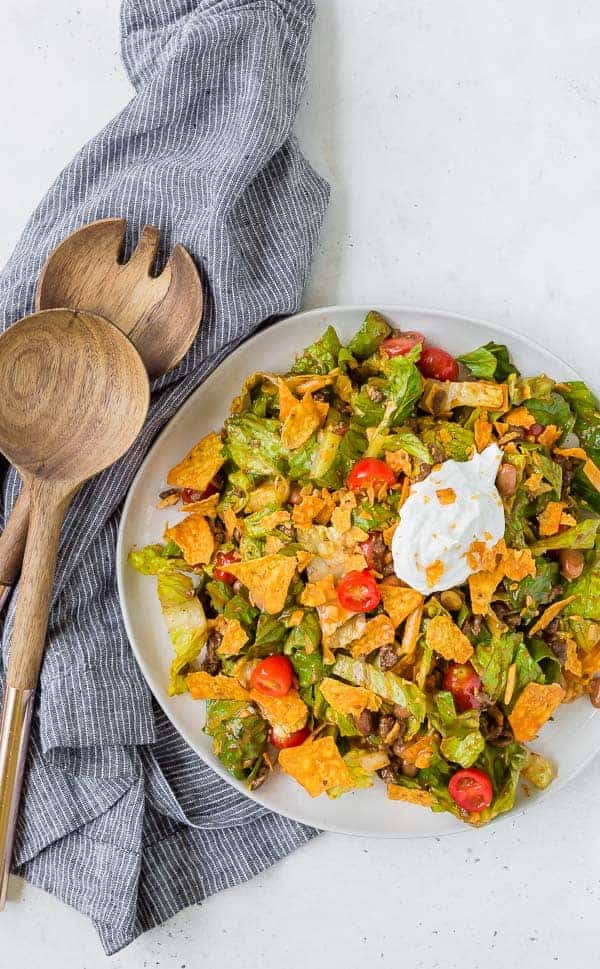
(438, 364)
(370, 471)
(188, 495)
(465, 686)
(290, 739)
(358, 592)
(273, 675)
(471, 789)
(373, 549)
(223, 559)
(399, 346)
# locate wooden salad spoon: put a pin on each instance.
(74, 394)
(160, 314)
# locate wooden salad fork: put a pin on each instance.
(161, 315)
(74, 394)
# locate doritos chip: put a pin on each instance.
(518, 563)
(273, 544)
(444, 636)
(303, 559)
(446, 496)
(419, 753)
(348, 699)
(207, 507)
(571, 452)
(399, 461)
(549, 435)
(317, 765)
(535, 484)
(287, 401)
(341, 517)
(482, 429)
(388, 533)
(287, 713)
(399, 601)
(195, 539)
(378, 632)
(412, 629)
(412, 795)
(572, 663)
(274, 520)
(229, 520)
(305, 417)
(234, 636)
(482, 586)
(434, 572)
(317, 593)
(549, 614)
(549, 519)
(200, 465)
(567, 520)
(592, 473)
(308, 383)
(313, 507)
(203, 686)
(520, 417)
(534, 707)
(267, 579)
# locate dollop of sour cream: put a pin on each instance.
(456, 505)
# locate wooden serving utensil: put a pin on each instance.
(160, 314)
(74, 394)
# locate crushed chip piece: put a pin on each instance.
(200, 465)
(549, 614)
(520, 417)
(518, 563)
(511, 682)
(286, 714)
(549, 519)
(399, 601)
(388, 533)
(273, 544)
(348, 699)
(419, 753)
(305, 417)
(267, 579)
(412, 795)
(572, 662)
(434, 572)
(444, 636)
(270, 522)
(549, 435)
(316, 506)
(482, 429)
(592, 473)
(229, 520)
(482, 586)
(234, 636)
(535, 484)
(203, 686)
(446, 496)
(287, 401)
(319, 592)
(195, 539)
(534, 707)
(341, 517)
(207, 507)
(168, 500)
(378, 632)
(571, 452)
(399, 461)
(317, 765)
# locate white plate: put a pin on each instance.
(570, 741)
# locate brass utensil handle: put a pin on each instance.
(14, 740)
(12, 542)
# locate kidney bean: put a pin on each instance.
(571, 563)
(506, 480)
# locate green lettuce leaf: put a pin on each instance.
(367, 339)
(489, 362)
(516, 520)
(239, 735)
(238, 607)
(555, 410)
(154, 559)
(528, 669)
(545, 659)
(454, 441)
(321, 357)
(504, 766)
(462, 742)
(550, 470)
(269, 637)
(361, 778)
(186, 624)
(254, 444)
(539, 771)
(351, 447)
(587, 590)
(410, 443)
(582, 535)
(537, 587)
(389, 686)
(491, 660)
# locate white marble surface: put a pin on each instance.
(462, 144)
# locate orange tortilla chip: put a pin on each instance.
(341, 517)
(286, 714)
(549, 614)
(229, 520)
(200, 465)
(567, 520)
(317, 765)
(307, 383)
(549, 519)
(287, 401)
(203, 686)
(592, 473)
(444, 636)
(518, 563)
(388, 533)
(399, 461)
(399, 601)
(520, 417)
(234, 636)
(348, 699)
(318, 593)
(378, 632)
(305, 417)
(572, 662)
(276, 518)
(434, 572)
(412, 795)
(536, 485)
(412, 629)
(549, 435)
(313, 506)
(207, 507)
(273, 544)
(571, 452)
(267, 579)
(195, 539)
(482, 586)
(303, 559)
(483, 431)
(419, 753)
(534, 707)
(446, 496)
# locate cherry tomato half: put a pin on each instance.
(399, 346)
(471, 789)
(358, 592)
(273, 675)
(222, 559)
(290, 739)
(438, 364)
(188, 495)
(465, 686)
(374, 549)
(370, 471)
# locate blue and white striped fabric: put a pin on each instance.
(120, 819)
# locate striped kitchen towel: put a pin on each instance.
(119, 818)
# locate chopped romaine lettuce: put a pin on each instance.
(321, 357)
(254, 444)
(185, 621)
(366, 340)
(239, 735)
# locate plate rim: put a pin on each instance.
(560, 782)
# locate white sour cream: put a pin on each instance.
(443, 515)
